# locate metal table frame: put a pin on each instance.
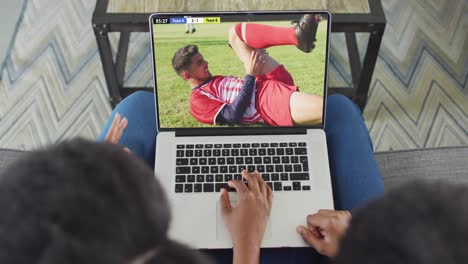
(349, 23)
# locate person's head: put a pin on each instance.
(85, 202)
(422, 222)
(189, 64)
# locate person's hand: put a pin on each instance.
(256, 63)
(247, 220)
(116, 130)
(325, 230)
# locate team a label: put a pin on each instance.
(178, 20)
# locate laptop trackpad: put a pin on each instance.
(221, 231)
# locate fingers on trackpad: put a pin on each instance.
(221, 231)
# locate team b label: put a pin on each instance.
(211, 20)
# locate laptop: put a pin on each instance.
(200, 148)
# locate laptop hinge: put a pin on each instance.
(239, 132)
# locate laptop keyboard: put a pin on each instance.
(208, 167)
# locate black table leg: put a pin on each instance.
(105, 50)
(354, 59)
(370, 59)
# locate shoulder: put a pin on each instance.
(216, 80)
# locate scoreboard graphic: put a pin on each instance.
(187, 20)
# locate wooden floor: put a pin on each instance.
(150, 6)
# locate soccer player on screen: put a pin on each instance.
(266, 93)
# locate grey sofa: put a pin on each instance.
(448, 164)
(397, 167)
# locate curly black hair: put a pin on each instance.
(421, 222)
(84, 202)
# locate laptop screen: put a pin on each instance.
(240, 70)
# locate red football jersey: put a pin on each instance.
(207, 100)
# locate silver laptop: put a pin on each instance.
(200, 147)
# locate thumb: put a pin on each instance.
(310, 238)
(225, 203)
